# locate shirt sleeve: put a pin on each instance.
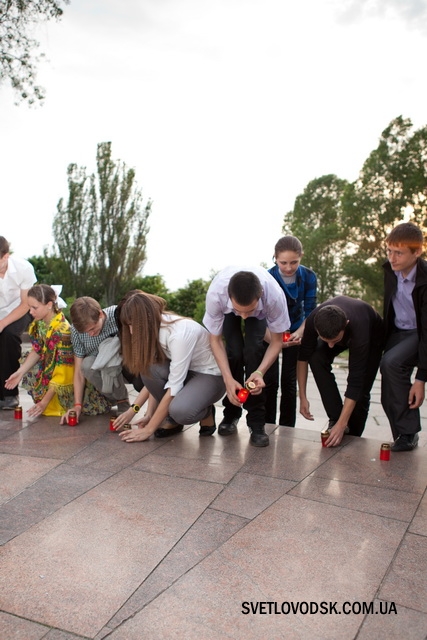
(214, 314)
(28, 277)
(278, 316)
(181, 341)
(309, 340)
(310, 293)
(78, 346)
(358, 358)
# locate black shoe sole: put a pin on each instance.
(207, 431)
(228, 428)
(409, 446)
(165, 433)
(263, 443)
(226, 432)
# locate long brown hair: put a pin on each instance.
(141, 348)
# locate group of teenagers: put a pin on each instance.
(181, 368)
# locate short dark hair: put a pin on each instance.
(4, 246)
(408, 234)
(244, 287)
(329, 321)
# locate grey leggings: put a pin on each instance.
(193, 402)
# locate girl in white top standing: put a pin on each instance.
(174, 358)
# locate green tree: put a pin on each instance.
(189, 301)
(149, 284)
(101, 230)
(121, 222)
(391, 187)
(74, 230)
(316, 221)
(46, 268)
(18, 57)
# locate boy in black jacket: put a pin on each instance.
(405, 317)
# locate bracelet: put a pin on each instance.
(77, 404)
(135, 407)
(260, 373)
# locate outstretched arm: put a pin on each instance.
(302, 375)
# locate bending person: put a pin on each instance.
(337, 325)
(16, 277)
(299, 285)
(47, 372)
(173, 356)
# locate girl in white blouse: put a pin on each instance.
(174, 358)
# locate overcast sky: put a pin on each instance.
(225, 108)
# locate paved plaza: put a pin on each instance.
(194, 538)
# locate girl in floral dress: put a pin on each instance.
(47, 371)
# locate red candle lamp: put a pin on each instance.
(18, 413)
(286, 336)
(242, 395)
(385, 451)
(324, 435)
(72, 418)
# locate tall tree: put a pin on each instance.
(392, 186)
(74, 230)
(316, 221)
(101, 231)
(121, 221)
(18, 57)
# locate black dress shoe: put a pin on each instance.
(161, 432)
(258, 437)
(9, 403)
(228, 428)
(405, 442)
(208, 431)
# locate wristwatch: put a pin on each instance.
(135, 407)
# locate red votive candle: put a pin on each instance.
(243, 395)
(18, 413)
(72, 418)
(112, 420)
(286, 336)
(385, 451)
(324, 436)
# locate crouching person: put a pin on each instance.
(97, 359)
(177, 366)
